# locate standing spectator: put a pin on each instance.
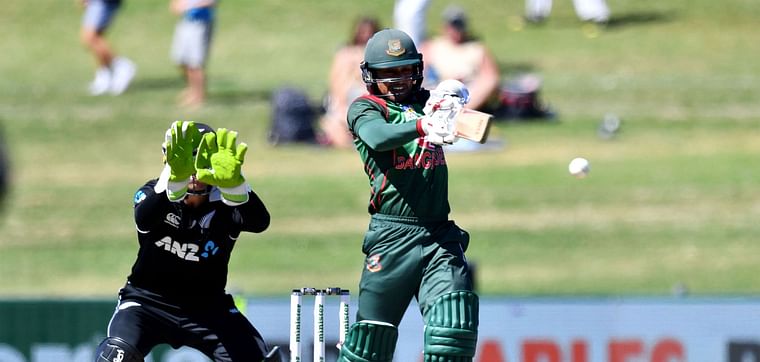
(411, 248)
(188, 221)
(346, 83)
(456, 54)
(595, 11)
(410, 16)
(191, 45)
(113, 73)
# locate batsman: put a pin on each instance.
(411, 248)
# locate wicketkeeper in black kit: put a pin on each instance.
(411, 248)
(187, 223)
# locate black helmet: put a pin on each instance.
(390, 48)
(201, 127)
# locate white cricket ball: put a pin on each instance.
(579, 167)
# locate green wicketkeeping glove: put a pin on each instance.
(181, 139)
(218, 163)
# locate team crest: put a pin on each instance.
(394, 48)
(410, 114)
(373, 263)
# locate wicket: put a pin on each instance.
(296, 301)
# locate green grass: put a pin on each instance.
(673, 199)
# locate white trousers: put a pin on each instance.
(410, 16)
(587, 10)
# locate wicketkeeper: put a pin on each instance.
(412, 249)
(187, 223)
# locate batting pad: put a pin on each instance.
(369, 341)
(451, 331)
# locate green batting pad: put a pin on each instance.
(369, 341)
(451, 332)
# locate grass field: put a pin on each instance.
(675, 198)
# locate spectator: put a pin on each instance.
(190, 47)
(410, 16)
(456, 54)
(346, 83)
(113, 73)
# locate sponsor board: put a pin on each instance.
(511, 330)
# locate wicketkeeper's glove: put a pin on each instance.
(441, 110)
(180, 140)
(219, 162)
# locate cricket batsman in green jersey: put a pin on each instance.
(412, 249)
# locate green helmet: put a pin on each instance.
(390, 48)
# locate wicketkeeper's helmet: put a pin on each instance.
(202, 128)
(390, 48)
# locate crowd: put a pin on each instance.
(455, 53)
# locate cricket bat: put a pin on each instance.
(473, 125)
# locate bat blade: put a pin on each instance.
(473, 125)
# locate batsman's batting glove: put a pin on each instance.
(441, 110)
(451, 89)
(439, 121)
(180, 140)
(439, 129)
(219, 162)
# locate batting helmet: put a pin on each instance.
(390, 48)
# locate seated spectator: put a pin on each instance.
(456, 54)
(346, 84)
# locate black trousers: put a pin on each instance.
(213, 326)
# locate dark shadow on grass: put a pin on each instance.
(227, 96)
(616, 20)
(238, 96)
(640, 18)
(516, 68)
(154, 84)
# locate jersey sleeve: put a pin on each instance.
(148, 206)
(367, 120)
(252, 215)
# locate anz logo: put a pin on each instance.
(188, 251)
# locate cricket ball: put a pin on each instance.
(579, 167)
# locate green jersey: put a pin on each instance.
(407, 175)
